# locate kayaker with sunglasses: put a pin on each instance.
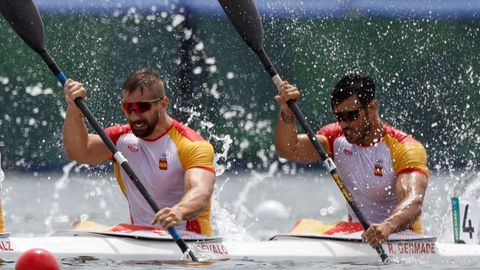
(384, 168)
(173, 162)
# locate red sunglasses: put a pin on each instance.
(138, 107)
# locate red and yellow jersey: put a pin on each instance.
(160, 165)
(370, 172)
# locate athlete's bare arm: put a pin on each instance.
(410, 190)
(77, 143)
(199, 184)
(288, 144)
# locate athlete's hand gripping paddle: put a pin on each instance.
(25, 19)
(244, 16)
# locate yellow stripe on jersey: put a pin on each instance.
(198, 153)
(407, 156)
(417, 226)
(118, 176)
(204, 221)
(2, 221)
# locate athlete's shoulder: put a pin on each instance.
(331, 130)
(193, 149)
(398, 135)
(408, 154)
(115, 131)
(187, 140)
(186, 132)
(330, 133)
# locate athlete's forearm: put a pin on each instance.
(405, 214)
(292, 146)
(286, 135)
(199, 184)
(75, 134)
(410, 190)
(193, 203)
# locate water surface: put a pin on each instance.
(246, 207)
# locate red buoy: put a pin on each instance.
(37, 259)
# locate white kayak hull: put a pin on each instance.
(337, 251)
(96, 246)
(283, 248)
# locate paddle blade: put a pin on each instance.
(25, 19)
(244, 16)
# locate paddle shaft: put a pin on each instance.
(25, 19)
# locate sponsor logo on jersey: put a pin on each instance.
(132, 148)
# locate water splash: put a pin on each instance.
(221, 158)
(38, 89)
(202, 255)
(224, 222)
(60, 184)
(242, 212)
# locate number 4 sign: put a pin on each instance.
(466, 218)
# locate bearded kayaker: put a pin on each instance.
(173, 162)
(384, 168)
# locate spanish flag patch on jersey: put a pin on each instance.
(162, 164)
(378, 168)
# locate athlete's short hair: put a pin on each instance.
(145, 79)
(353, 84)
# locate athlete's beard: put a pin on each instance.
(366, 132)
(147, 130)
(360, 134)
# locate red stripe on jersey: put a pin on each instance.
(114, 132)
(410, 170)
(399, 135)
(204, 168)
(331, 132)
(187, 132)
(194, 226)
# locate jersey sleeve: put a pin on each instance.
(197, 154)
(114, 132)
(330, 132)
(408, 155)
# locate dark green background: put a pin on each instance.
(426, 72)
